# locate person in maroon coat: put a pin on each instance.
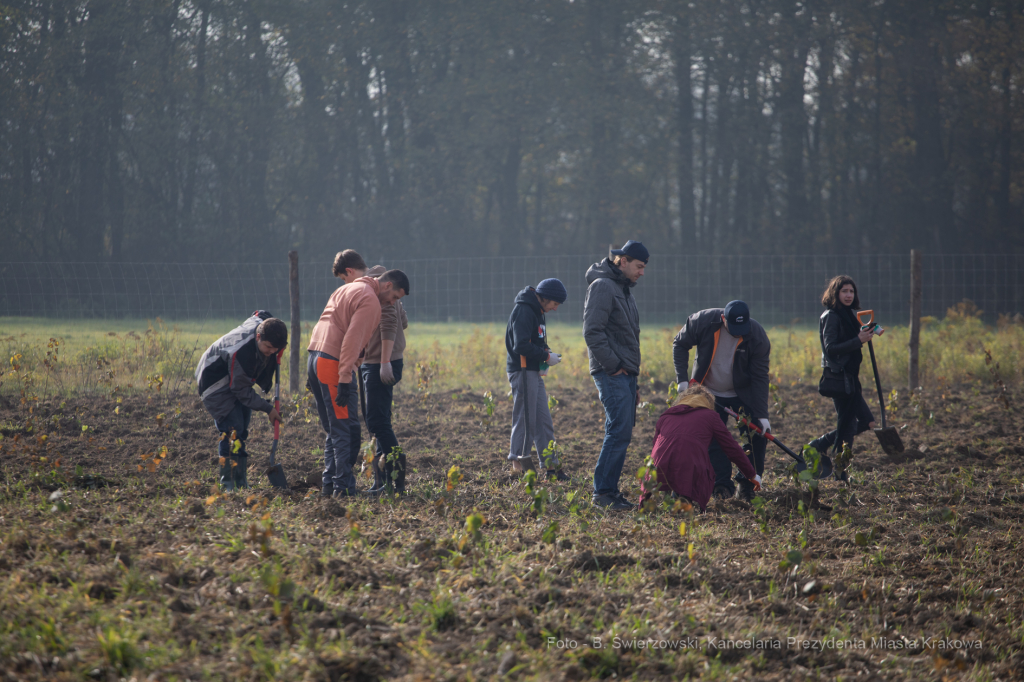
(680, 455)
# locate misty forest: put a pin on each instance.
(230, 130)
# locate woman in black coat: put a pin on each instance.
(841, 341)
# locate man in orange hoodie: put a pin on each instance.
(350, 317)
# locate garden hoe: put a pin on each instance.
(275, 472)
(825, 465)
(888, 436)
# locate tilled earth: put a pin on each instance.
(118, 559)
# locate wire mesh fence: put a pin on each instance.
(779, 289)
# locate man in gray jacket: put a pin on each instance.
(611, 328)
(732, 360)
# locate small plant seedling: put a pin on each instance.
(792, 561)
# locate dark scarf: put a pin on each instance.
(848, 318)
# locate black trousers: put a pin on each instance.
(722, 464)
(387, 466)
(852, 418)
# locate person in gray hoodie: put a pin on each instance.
(611, 328)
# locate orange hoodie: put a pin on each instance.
(350, 317)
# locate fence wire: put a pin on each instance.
(780, 290)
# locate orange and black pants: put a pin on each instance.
(322, 370)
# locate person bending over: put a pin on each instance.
(246, 356)
(339, 337)
(348, 267)
(681, 439)
(732, 360)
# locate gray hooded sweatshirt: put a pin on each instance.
(611, 321)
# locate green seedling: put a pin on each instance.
(761, 513)
(792, 561)
(120, 647)
(673, 393)
(471, 531)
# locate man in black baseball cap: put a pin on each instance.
(732, 361)
(634, 250)
(611, 328)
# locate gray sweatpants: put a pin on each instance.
(542, 430)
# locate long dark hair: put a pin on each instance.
(830, 299)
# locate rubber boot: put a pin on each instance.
(241, 472)
(823, 443)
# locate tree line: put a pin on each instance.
(232, 130)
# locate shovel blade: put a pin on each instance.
(825, 467)
(275, 472)
(889, 439)
(275, 475)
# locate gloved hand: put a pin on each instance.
(341, 400)
(765, 426)
(553, 358)
(757, 483)
(387, 374)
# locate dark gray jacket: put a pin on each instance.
(611, 321)
(749, 365)
(230, 368)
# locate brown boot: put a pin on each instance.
(523, 465)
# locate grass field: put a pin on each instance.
(120, 559)
(55, 357)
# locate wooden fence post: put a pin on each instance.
(915, 317)
(296, 340)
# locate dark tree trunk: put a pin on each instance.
(684, 126)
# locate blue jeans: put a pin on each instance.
(618, 395)
(387, 470)
(722, 464)
(337, 475)
(233, 471)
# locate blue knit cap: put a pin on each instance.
(553, 290)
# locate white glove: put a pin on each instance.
(757, 483)
(765, 426)
(387, 375)
(553, 359)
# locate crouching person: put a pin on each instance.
(681, 439)
(246, 356)
(528, 356)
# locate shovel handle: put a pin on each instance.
(870, 314)
(878, 382)
(277, 400)
(756, 429)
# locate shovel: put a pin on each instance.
(824, 463)
(888, 436)
(275, 472)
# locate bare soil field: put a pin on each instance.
(119, 559)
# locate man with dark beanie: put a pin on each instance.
(611, 328)
(526, 343)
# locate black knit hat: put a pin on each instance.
(553, 290)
